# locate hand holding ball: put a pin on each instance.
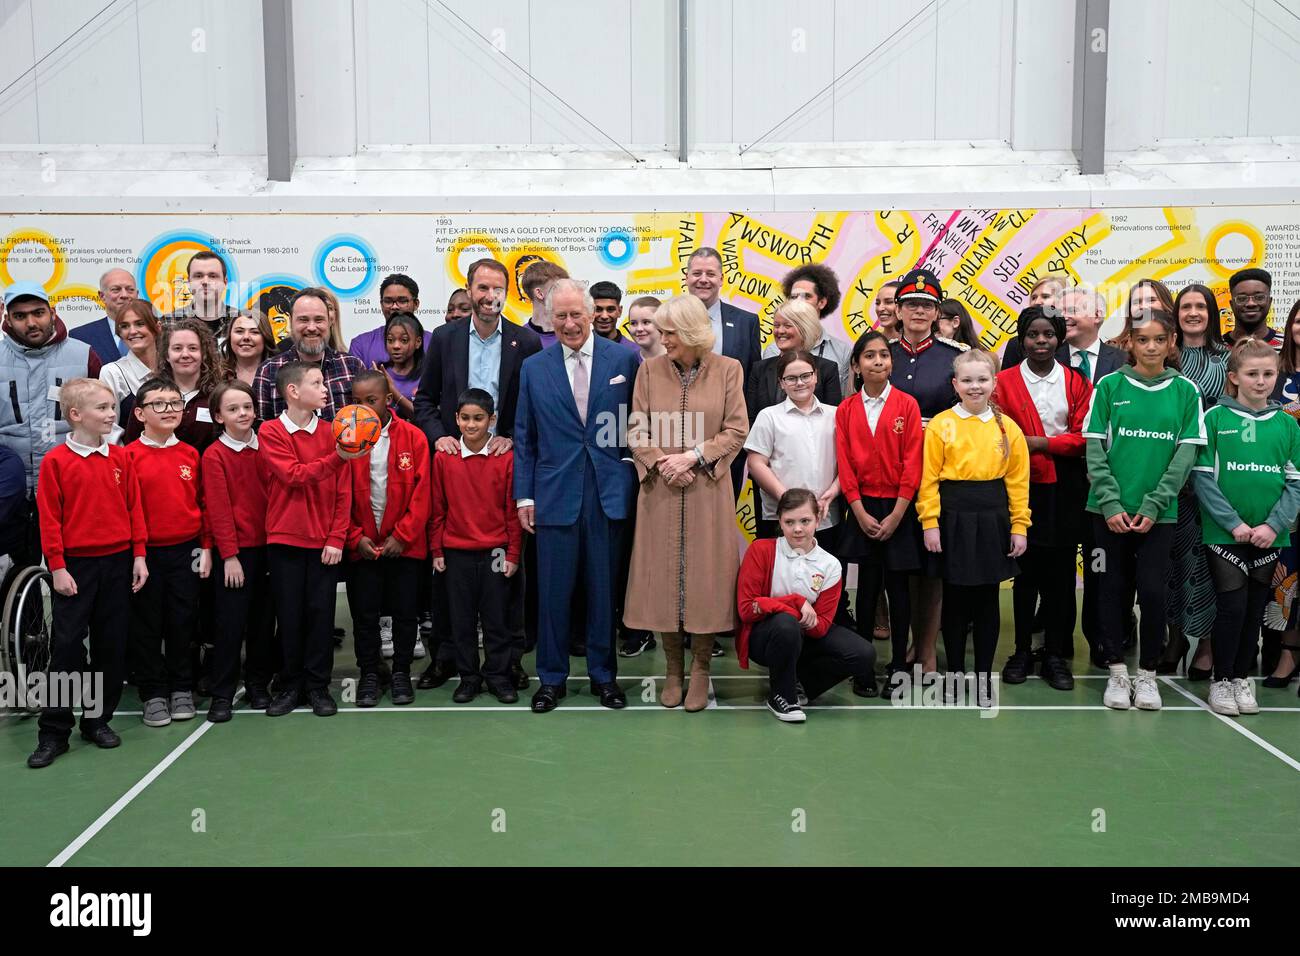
(356, 429)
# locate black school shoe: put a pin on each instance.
(45, 753)
(635, 643)
(1056, 673)
(219, 711)
(104, 737)
(519, 676)
(1017, 668)
(283, 703)
(503, 691)
(258, 697)
(368, 690)
(402, 691)
(610, 694)
(467, 690)
(865, 687)
(436, 674)
(322, 704)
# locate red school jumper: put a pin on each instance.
(755, 584)
(89, 507)
(234, 494)
(309, 492)
(172, 493)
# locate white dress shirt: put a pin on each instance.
(588, 350)
(715, 317)
(1094, 356)
(874, 406)
(1048, 395)
(379, 478)
(800, 449)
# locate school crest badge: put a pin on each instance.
(817, 580)
(187, 473)
(404, 462)
(898, 425)
(117, 475)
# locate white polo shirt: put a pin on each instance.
(800, 447)
(804, 574)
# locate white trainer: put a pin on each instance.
(1243, 690)
(418, 652)
(1223, 700)
(386, 637)
(1146, 693)
(1119, 689)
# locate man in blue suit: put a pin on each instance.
(735, 331)
(575, 487)
(116, 289)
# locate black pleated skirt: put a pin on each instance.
(902, 552)
(975, 528)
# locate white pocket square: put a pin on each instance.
(618, 380)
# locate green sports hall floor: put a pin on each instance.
(1053, 779)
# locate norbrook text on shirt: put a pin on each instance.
(1252, 466)
(1144, 433)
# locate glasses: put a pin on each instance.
(175, 405)
(918, 305)
(801, 379)
(396, 303)
(1252, 298)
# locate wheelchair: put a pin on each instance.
(26, 626)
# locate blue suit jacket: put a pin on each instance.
(740, 337)
(552, 446)
(99, 335)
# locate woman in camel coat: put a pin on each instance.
(688, 422)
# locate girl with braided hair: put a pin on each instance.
(974, 509)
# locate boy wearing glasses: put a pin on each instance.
(1252, 297)
(178, 554)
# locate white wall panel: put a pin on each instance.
(18, 116)
(89, 89)
(1043, 81)
(176, 99)
(393, 67)
(324, 62)
(1206, 85)
(653, 70)
(1135, 87)
(711, 72)
(1275, 69)
(236, 77)
(973, 69)
(476, 95)
(784, 55)
(891, 95)
(580, 51)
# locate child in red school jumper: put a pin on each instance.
(164, 613)
(878, 443)
(1049, 401)
(308, 504)
(786, 595)
(475, 537)
(387, 541)
(234, 497)
(93, 536)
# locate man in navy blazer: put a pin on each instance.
(485, 352)
(575, 487)
(116, 289)
(735, 331)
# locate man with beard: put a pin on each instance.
(1252, 297)
(309, 331)
(486, 352)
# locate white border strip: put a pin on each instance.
(1249, 735)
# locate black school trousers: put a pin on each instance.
(102, 606)
(243, 619)
(478, 591)
(164, 619)
(818, 663)
(390, 585)
(1128, 560)
(304, 591)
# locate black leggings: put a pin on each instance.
(1130, 558)
(1046, 573)
(872, 578)
(1242, 577)
(964, 604)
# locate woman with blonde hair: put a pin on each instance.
(688, 423)
(796, 327)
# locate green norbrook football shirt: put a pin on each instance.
(1251, 458)
(1141, 422)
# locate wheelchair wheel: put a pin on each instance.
(28, 624)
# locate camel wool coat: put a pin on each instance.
(685, 554)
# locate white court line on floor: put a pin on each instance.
(123, 801)
(592, 708)
(1239, 728)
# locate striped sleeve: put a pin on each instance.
(1096, 421)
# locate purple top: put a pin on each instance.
(371, 349)
(548, 338)
(406, 384)
(624, 341)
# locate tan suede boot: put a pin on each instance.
(671, 696)
(697, 695)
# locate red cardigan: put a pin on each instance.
(1012, 396)
(755, 584)
(407, 498)
(886, 464)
